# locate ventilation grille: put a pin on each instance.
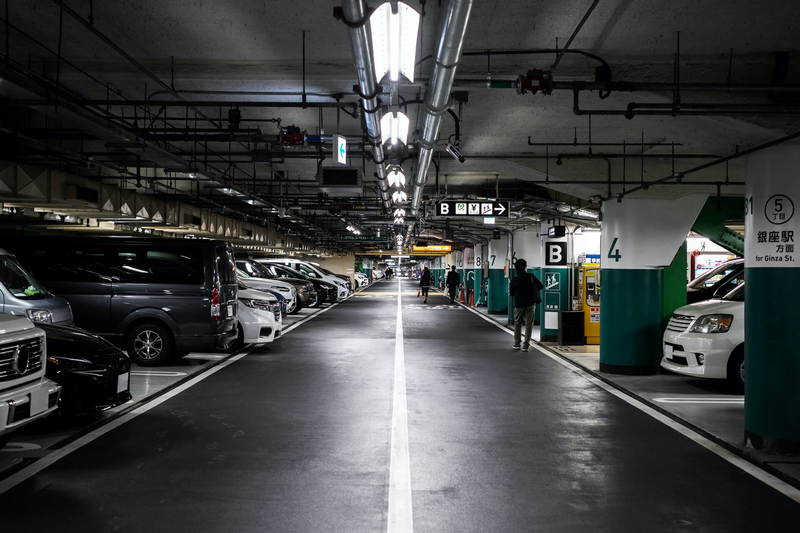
(342, 181)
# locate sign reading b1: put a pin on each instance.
(555, 254)
(465, 208)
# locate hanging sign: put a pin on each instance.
(432, 248)
(340, 147)
(464, 208)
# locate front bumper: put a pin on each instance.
(25, 404)
(260, 327)
(686, 349)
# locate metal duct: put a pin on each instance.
(437, 97)
(362, 55)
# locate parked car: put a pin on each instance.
(717, 282)
(706, 339)
(259, 319)
(306, 293)
(93, 373)
(153, 297)
(25, 393)
(286, 290)
(345, 279)
(361, 279)
(24, 295)
(326, 292)
(311, 271)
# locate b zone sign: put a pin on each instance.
(555, 254)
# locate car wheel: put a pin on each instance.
(735, 377)
(236, 343)
(149, 344)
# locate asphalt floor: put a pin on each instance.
(300, 435)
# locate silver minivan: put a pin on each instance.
(23, 295)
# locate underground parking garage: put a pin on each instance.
(306, 266)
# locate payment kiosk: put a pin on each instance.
(589, 290)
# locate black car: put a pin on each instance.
(326, 292)
(717, 282)
(93, 373)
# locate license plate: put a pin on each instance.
(38, 402)
(122, 382)
(230, 310)
(668, 351)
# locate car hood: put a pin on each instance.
(711, 307)
(258, 283)
(250, 294)
(14, 324)
(75, 342)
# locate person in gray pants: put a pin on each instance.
(525, 290)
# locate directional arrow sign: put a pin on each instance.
(472, 208)
(340, 146)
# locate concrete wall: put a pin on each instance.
(337, 264)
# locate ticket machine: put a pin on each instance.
(589, 286)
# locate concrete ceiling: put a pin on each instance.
(247, 45)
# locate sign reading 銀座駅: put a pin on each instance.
(472, 208)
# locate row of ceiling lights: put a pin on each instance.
(394, 27)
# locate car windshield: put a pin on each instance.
(736, 295)
(18, 282)
(256, 270)
(707, 279)
(308, 271)
(286, 272)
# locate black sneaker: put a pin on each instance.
(516, 346)
(525, 347)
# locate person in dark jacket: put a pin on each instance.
(452, 282)
(525, 290)
(425, 283)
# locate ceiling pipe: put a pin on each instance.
(437, 98)
(355, 14)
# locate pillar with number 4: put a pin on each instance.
(640, 238)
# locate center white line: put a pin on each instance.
(401, 518)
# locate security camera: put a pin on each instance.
(452, 150)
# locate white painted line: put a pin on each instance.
(401, 519)
(743, 464)
(710, 400)
(157, 373)
(51, 458)
(204, 357)
(284, 331)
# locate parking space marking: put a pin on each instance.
(157, 373)
(400, 519)
(710, 400)
(739, 462)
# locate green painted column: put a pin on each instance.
(555, 277)
(460, 269)
(674, 281)
(498, 283)
(480, 258)
(469, 270)
(772, 267)
(631, 321)
(642, 252)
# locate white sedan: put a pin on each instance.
(286, 290)
(706, 339)
(258, 319)
(361, 279)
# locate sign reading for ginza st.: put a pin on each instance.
(475, 208)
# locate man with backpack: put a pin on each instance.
(525, 290)
(452, 282)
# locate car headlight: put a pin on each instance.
(712, 324)
(263, 305)
(40, 315)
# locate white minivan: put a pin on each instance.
(706, 339)
(23, 295)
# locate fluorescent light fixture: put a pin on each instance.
(399, 197)
(399, 220)
(394, 127)
(396, 178)
(394, 41)
(230, 192)
(488, 220)
(399, 213)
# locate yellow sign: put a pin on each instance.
(432, 248)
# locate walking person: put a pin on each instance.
(425, 284)
(525, 290)
(452, 282)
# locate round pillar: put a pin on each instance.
(498, 283)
